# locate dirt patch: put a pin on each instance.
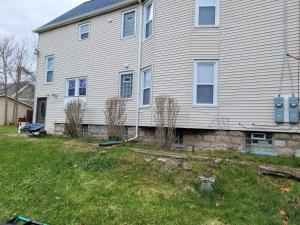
(80, 146)
(155, 192)
(214, 222)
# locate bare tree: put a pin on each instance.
(74, 115)
(7, 47)
(166, 118)
(20, 72)
(115, 115)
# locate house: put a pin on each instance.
(224, 61)
(26, 92)
(26, 98)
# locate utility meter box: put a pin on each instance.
(279, 109)
(294, 109)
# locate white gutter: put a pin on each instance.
(139, 75)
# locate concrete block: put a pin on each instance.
(293, 144)
(282, 136)
(296, 137)
(209, 138)
(236, 133)
(280, 143)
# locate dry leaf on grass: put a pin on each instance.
(285, 189)
(282, 213)
(285, 222)
(220, 198)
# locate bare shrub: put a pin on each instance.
(115, 116)
(165, 117)
(74, 114)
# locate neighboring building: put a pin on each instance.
(221, 59)
(26, 92)
(23, 110)
(26, 100)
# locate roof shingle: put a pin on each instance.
(82, 9)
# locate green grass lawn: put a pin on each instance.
(62, 181)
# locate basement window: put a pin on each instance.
(179, 137)
(84, 129)
(259, 141)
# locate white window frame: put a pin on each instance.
(46, 69)
(215, 84)
(145, 22)
(123, 15)
(120, 84)
(217, 15)
(79, 31)
(143, 88)
(77, 79)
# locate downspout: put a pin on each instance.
(139, 74)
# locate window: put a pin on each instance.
(84, 31)
(148, 18)
(126, 86)
(84, 129)
(146, 87)
(82, 87)
(49, 69)
(76, 87)
(128, 24)
(71, 87)
(207, 13)
(205, 83)
(258, 141)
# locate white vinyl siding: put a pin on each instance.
(205, 83)
(128, 23)
(249, 47)
(126, 86)
(84, 31)
(49, 71)
(207, 13)
(148, 20)
(146, 88)
(76, 87)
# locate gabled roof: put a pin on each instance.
(11, 88)
(85, 10)
(21, 102)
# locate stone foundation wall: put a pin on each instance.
(286, 144)
(283, 143)
(98, 131)
(214, 140)
(202, 139)
(147, 134)
(59, 129)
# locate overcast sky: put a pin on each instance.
(20, 17)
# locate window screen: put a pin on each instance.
(128, 24)
(126, 86)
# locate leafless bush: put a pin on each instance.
(115, 115)
(166, 117)
(74, 114)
